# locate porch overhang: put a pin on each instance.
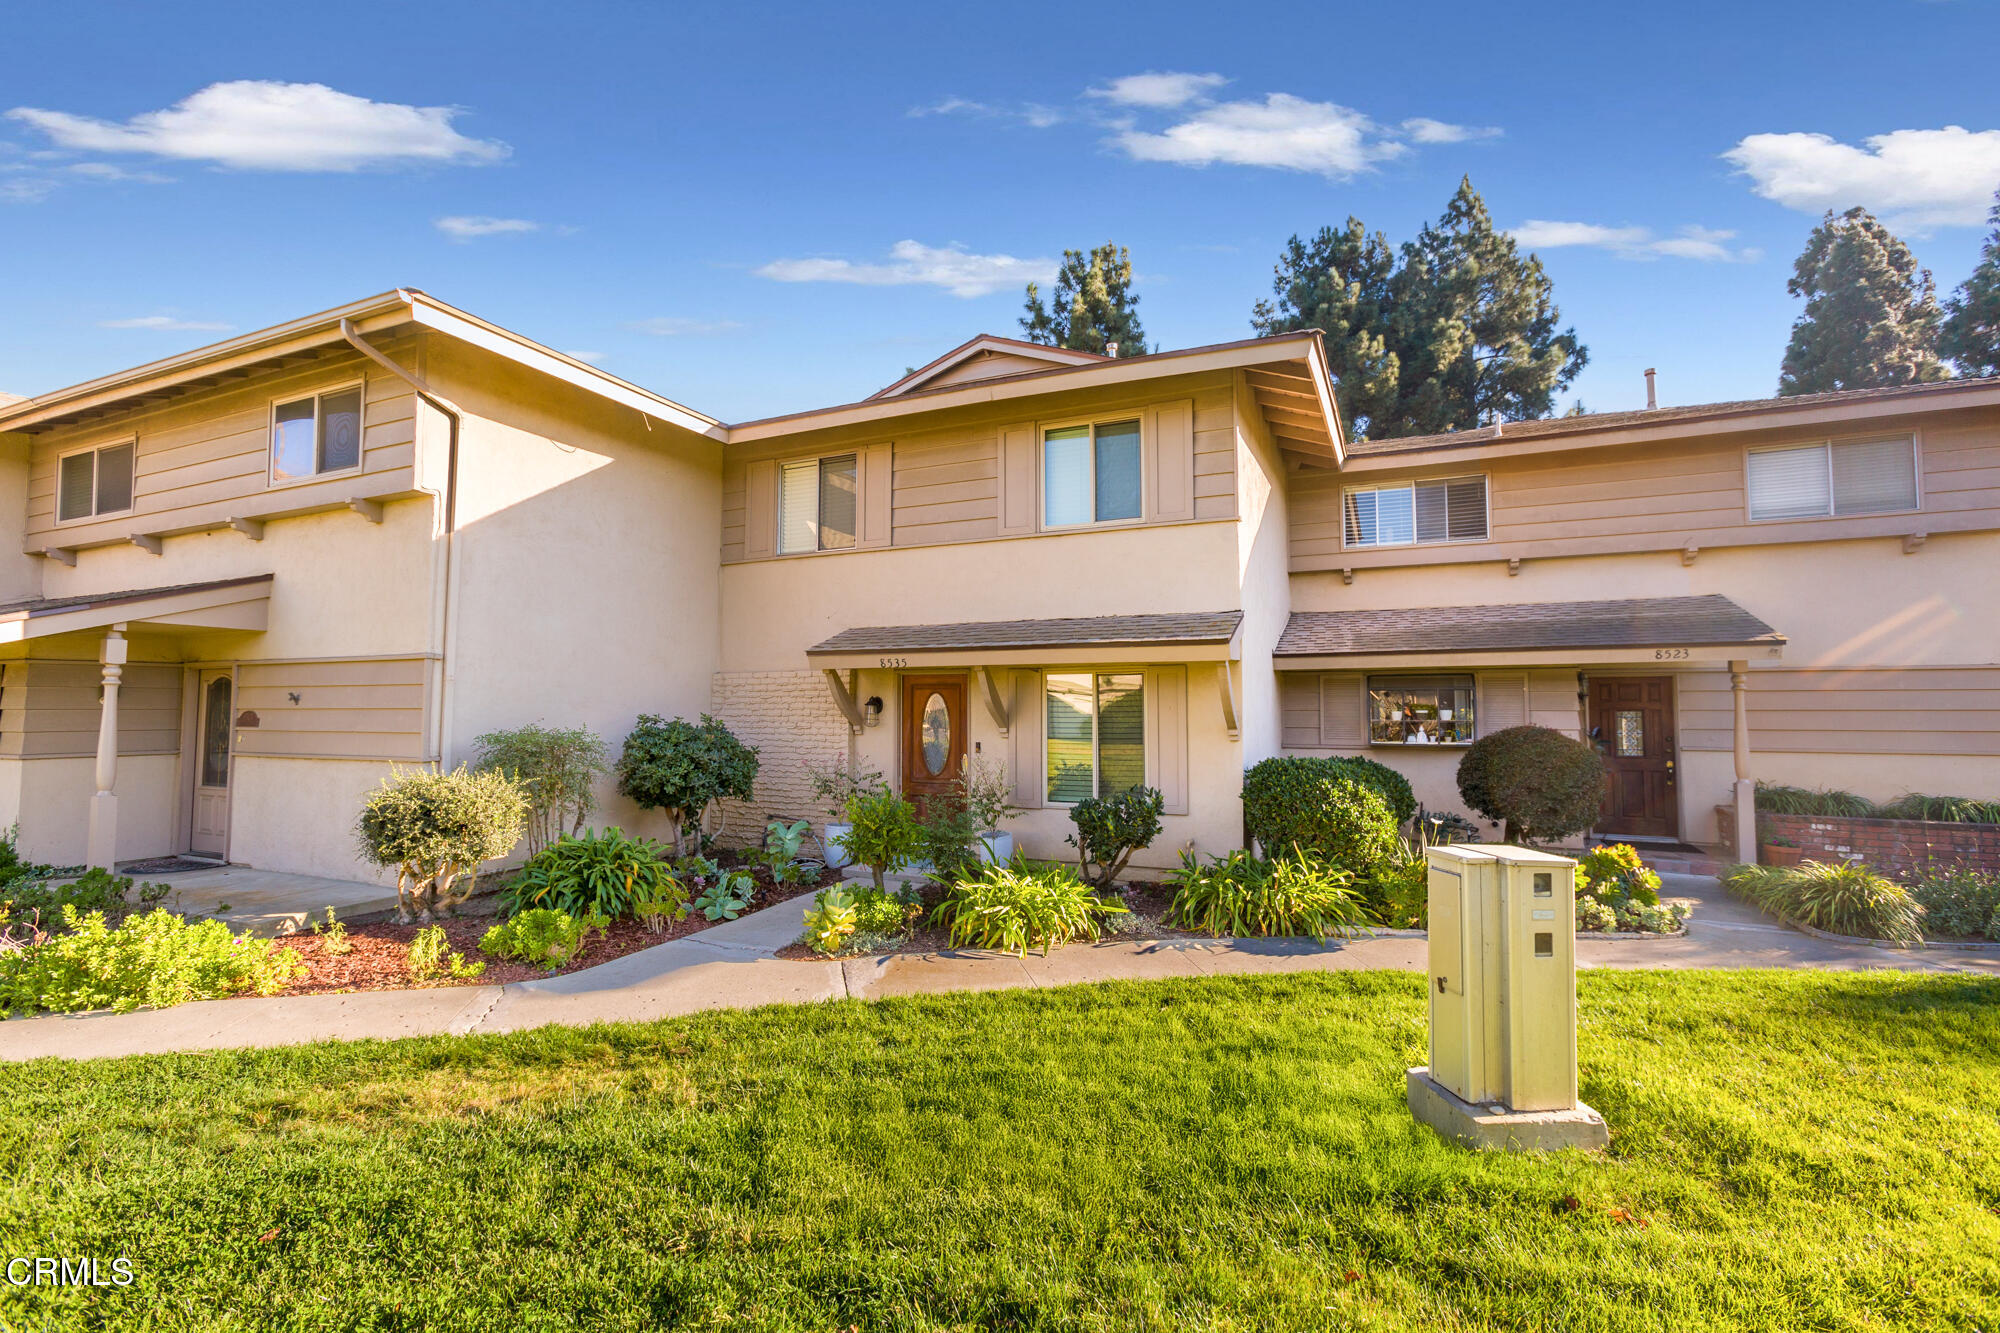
(1206, 636)
(1660, 632)
(222, 604)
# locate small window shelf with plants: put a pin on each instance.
(1420, 710)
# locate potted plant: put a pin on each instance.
(1781, 851)
(834, 786)
(988, 798)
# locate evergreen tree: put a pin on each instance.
(1972, 316)
(1871, 317)
(1092, 305)
(1456, 328)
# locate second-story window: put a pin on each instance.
(94, 482)
(315, 435)
(1090, 474)
(816, 504)
(1834, 480)
(1452, 509)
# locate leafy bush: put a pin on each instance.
(1394, 787)
(1321, 809)
(1780, 800)
(12, 867)
(948, 838)
(1845, 899)
(435, 828)
(1946, 809)
(1022, 905)
(1541, 784)
(987, 795)
(557, 767)
(1398, 891)
(1616, 875)
(38, 904)
(1110, 828)
(542, 935)
(844, 921)
(607, 873)
(685, 769)
(155, 960)
(1958, 901)
(1240, 894)
(1594, 915)
(886, 836)
(432, 959)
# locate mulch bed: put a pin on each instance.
(379, 954)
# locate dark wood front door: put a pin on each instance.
(1632, 724)
(933, 736)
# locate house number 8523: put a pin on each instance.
(1669, 654)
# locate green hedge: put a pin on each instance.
(1325, 807)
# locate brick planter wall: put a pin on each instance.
(1892, 846)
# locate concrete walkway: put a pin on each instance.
(731, 966)
(267, 902)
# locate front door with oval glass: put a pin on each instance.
(209, 835)
(933, 736)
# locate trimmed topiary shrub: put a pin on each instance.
(1321, 809)
(1287, 780)
(1110, 828)
(685, 769)
(435, 829)
(1541, 784)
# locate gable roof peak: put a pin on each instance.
(1007, 352)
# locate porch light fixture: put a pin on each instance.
(872, 710)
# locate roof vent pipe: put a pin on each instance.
(1111, 349)
(1652, 400)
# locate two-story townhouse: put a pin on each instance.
(256, 577)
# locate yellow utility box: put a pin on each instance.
(1503, 1000)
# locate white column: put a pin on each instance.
(1746, 787)
(103, 841)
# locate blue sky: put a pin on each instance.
(760, 209)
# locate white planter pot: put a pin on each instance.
(996, 847)
(833, 845)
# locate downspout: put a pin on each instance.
(446, 642)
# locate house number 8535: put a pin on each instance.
(894, 663)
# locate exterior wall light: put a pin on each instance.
(872, 710)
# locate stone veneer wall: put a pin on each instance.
(792, 720)
(1891, 846)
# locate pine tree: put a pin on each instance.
(1871, 317)
(1454, 329)
(1972, 317)
(1092, 305)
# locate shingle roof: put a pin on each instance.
(1531, 430)
(1081, 632)
(1642, 622)
(35, 606)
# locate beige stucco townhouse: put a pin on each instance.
(253, 579)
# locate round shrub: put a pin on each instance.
(1395, 788)
(684, 769)
(435, 829)
(1273, 786)
(1542, 784)
(1322, 810)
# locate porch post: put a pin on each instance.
(1746, 787)
(102, 843)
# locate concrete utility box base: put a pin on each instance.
(1502, 1131)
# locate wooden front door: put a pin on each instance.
(1632, 724)
(933, 736)
(209, 835)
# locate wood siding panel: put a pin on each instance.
(50, 709)
(355, 709)
(1918, 710)
(946, 477)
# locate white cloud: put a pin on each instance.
(164, 323)
(911, 263)
(263, 125)
(1159, 91)
(1422, 129)
(1281, 131)
(106, 171)
(1690, 242)
(680, 326)
(1918, 178)
(26, 190)
(467, 228)
(1032, 114)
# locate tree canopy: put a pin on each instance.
(1971, 335)
(1871, 319)
(1453, 328)
(1092, 306)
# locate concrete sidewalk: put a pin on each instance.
(730, 966)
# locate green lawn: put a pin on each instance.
(1791, 1150)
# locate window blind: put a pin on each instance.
(1072, 771)
(1789, 483)
(1449, 510)
(1121, 733)
(75, 487)
(1066, 477)
(1117, 470)
(1874, 477)
(114, 479)
(836, 502)
(798, 507)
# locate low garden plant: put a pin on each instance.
(686, 769)
(1959, 902)
(783, 851)
(432, 959)
(558, 768)
(542, 935)
(1110, 828)
(1242, 894)
(844, 919)
(1844, 899)
(1777, 799)
(1944, 809)
(1542, 785)
(1398, 890)
(435, 828)
(606, 872)
(1022, 905)
(1617, 890)
(152, 960)
(332, 934)
(37, 903)
(728, 897)
(886, 836)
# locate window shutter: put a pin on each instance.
(1018, 483)
(1166, 736)
(1343, 716)
(760, 509)
(74, 489)
(1025, 736)
(1789, 483)
(876, 462)
(1173, 460)
(1503, 703)
(1874, 477)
